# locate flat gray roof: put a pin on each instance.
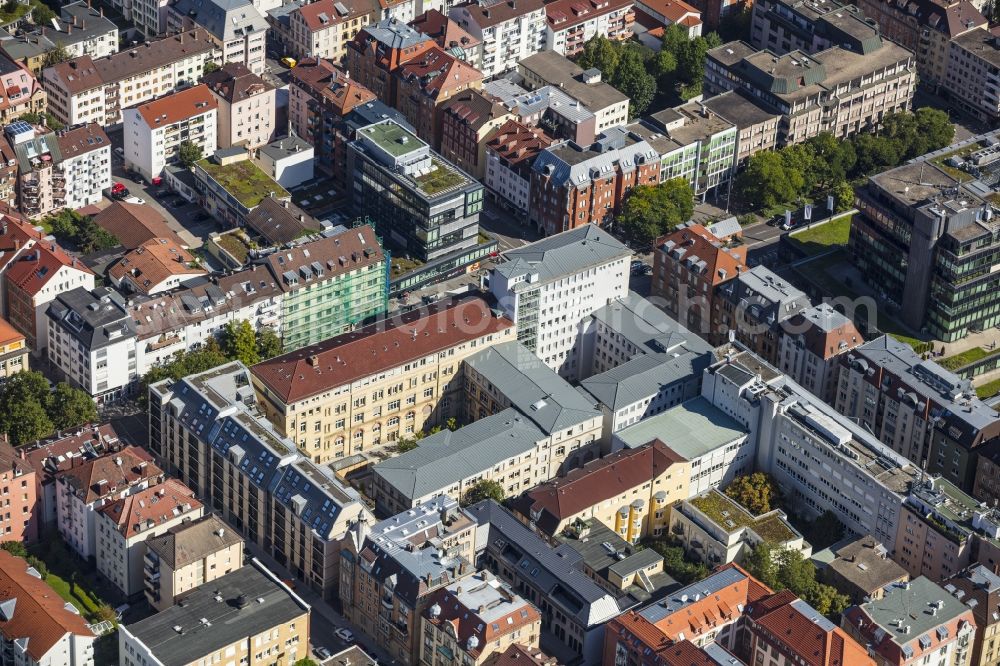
(643, 377)
(691, 429)
(564, 254)
(207, 624)
(912, 602)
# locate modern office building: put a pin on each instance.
(331, 285)
(924, 238)
(818, 91)
(551, 287)
(424, 207)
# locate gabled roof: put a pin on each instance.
(82, 140)
(153, 262)
(487, 14)
(474, 109)
(559, 499)
(146, 509)
(446, 32)
(381, 346)
(110, 473)
(324, 259)
(178, 106)
(324, 14)
(8, 333)
(564, 14)
(193, 541)
(281, 222)
(35, 267)
(699, 249)
(436, 72)
(563, 254)
(49, 457)
(31, 613)
(135, 224)
(224, 19)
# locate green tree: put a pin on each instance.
(39, 566)
(874, 154)
(71, 407)
(15, 548)
(305, 661)
(795, 572)
(41, 14)
(632, 79)
(677, 564)
(268, 343)
(602, 53)
(760, 563)
(485, 489)
(210, 66)
(757, 492)
(764, 182)
(832, 159)
(26, 422)
(451, 424)
(652, 210)
(105, 613)
(190, 362)
(92, 238)
(188, 153)
(826, 599)
(405, 444)
(25, 386)
(935, 126)
(57, 55)
(239, 342)
(843, 196)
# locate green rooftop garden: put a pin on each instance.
(963, 359)
(441, 178)
(234, 245)
(721, 509)
(824, 236)
(244, 180)
(988, 390)
(402, 265)
(957, 174)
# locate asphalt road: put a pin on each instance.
(501, 224)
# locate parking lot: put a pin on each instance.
(190, 222)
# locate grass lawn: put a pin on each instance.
(963, 359)
(721, 509)
(401, 265)
(822, 237)
(73, 580)
(439, 179)
(989, 389)
(244, 180)
(234, 246)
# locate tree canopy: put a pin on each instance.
(188, 153)
(757, 492)
(652, 210)
(239, 341)
(79, 231)
(485, 489)
(782, 569)
(30, 411)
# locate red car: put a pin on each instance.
(119, 191)
(157, 180)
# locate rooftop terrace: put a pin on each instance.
(245, 181)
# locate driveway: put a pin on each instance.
(182, 219)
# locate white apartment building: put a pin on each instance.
(824, 461)
(81, 492)
(85, 89)
(185, 318)
(83, 30)
(572, 23)
(123, 526)
(85, 164)
(187, 556)
(550, 287)
(237, 28)
(247, 107)
(149, 16)
(509, 156)
(91, 341)
(509, 31)
(973, 73)
(154, 131)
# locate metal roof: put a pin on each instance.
(691, 429)
(563, 254)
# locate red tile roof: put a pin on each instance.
(520, 655)
(153, 506)
(38, 614)
(323, 14)
(435, 72)
(673, 11)
(596, 482)
(118, 471)
(687, 653)
(52, 456)
(82, 140)
(697, 241)
(9, 334)
(376, 348)
(178, 106)
(793, 627)
(35, 267)
(135, 224)
(151, 263)
(490, 14)
(444, 31)
(517, 143)
(563, 14)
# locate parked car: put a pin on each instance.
(134, 200)
(344, 634)
(157, 180)
(119, 191)
(323, 653)
(120, 152)
(288, 62)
